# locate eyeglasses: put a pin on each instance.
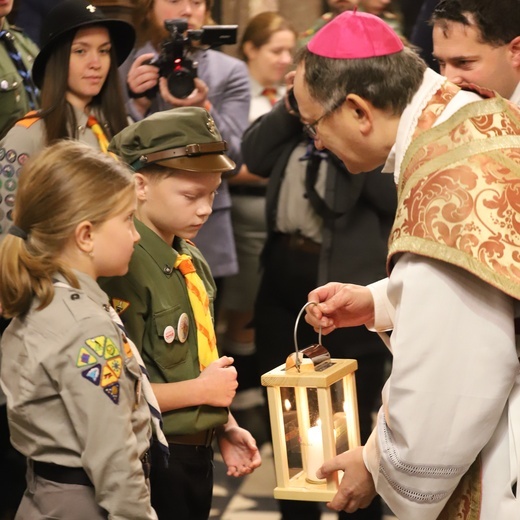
(312, 128)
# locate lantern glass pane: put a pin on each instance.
(291, 431)
(340, 405)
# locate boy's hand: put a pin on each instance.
(220, 380)
(239, 451)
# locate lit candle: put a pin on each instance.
(314, 452)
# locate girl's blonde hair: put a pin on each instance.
(65, 184)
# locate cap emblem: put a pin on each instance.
(91, 8)
(211, 125)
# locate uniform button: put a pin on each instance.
(167, 269)
(74, 296)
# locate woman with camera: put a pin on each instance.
(221, 85)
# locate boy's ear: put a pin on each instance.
(361, 111)
(83, 236)
(141, 185)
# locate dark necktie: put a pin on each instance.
(30, 87)
(314, 158)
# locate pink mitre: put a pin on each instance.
(354, 35)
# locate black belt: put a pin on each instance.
(62, 474)
(204, 438)
(67, 475)
(298, 242)
(251, 190)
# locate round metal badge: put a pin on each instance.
(169, 334)
(183, 327)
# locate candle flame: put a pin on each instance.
(287, 405)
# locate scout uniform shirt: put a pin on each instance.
(13, 97)
(73, 396)
(153, 303)
(25, 140)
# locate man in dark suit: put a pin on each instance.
(323, 224)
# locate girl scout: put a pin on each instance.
(74, 388)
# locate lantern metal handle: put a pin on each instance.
(297, 360)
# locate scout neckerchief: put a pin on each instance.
(271, 94)
(94, 125)
(30, 88)
(146, 387)
(149, 396)
(199, 300)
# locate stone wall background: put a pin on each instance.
(301, 13)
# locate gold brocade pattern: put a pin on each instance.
(435, 107)
(464, 503)
(459, 193)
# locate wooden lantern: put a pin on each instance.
(313, 413)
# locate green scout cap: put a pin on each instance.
(183, 138)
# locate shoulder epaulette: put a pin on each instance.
(28, 120)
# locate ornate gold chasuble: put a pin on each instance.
(459, 202)
(459, 190)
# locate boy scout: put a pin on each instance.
(165, 302)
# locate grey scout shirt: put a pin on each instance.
(73, 396)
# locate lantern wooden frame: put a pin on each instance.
(303, 377)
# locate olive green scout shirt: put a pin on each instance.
(152, 299)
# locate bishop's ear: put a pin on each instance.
(362, 111)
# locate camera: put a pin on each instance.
(174, 61)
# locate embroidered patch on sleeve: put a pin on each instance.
(110, 349)
(85, 358)
(119, 305)
(126, 346)
(105, 368)
(97, 344)
(116, 365)
(113, 392)
(93, 374)
(108, 377)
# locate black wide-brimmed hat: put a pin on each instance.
(71, 15)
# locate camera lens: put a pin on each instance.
(180, 83)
